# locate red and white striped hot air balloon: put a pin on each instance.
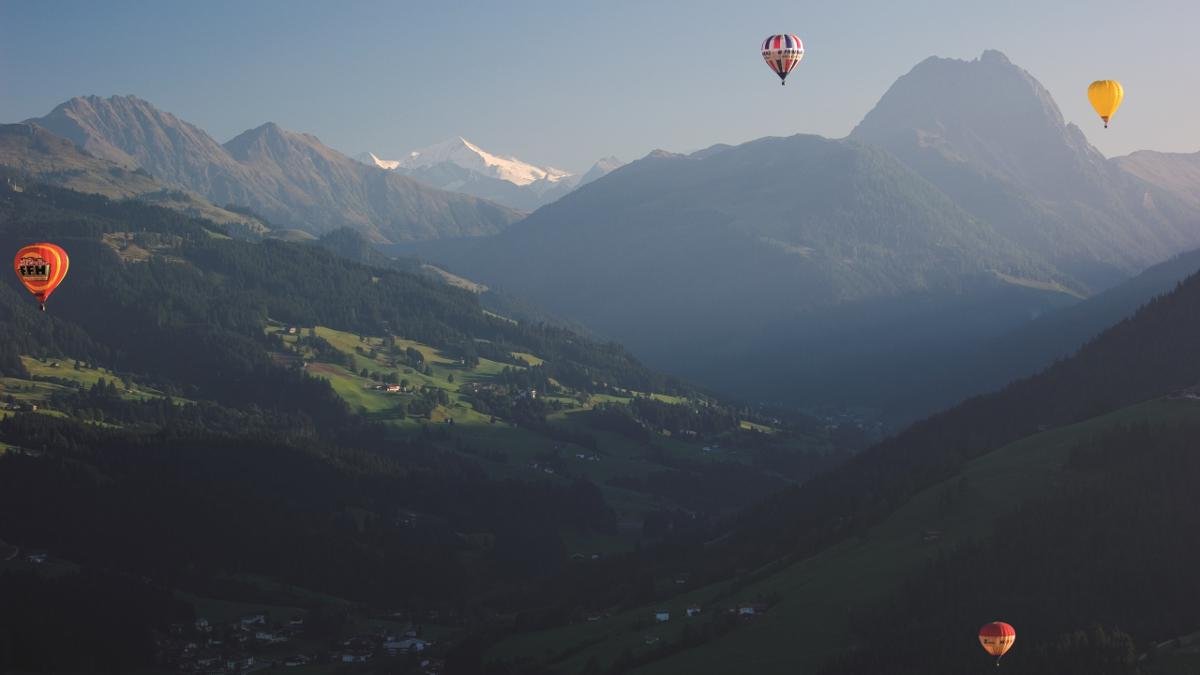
(997, 638)
(782, 52)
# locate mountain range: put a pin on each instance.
(802, 270)
(819, 271)
(33, 151)
(291, 179)
(461, 166)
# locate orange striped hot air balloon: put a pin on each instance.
(997, 638)
(41, 268)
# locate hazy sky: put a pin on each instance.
(565, 83)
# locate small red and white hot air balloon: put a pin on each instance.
(997, 638)
(782, 52)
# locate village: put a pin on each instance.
(259, 642)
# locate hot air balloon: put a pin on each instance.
(782, 53)
(997, 638)
(1106, 96)
(41, 267)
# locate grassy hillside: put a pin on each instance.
(570, 446)
(808, 620)
(200, 450)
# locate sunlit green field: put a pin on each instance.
(85, 376)
(504, 449)
(68, 379)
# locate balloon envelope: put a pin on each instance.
(41, 268)
(997, 638)
(1106, 96)
(782, 52)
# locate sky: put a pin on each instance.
(565, 83)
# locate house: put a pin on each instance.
(393, 389)
(693, 611)
(36, 557)
(295, 661)
(662, 616)
(751, 610)
(296, 622)
(356, 657)
(409, 645)
(202, 625)
(291, 330)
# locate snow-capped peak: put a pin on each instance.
(466, 154)
(371, 159)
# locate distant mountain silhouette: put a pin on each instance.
(1176, 172)
(989, 135)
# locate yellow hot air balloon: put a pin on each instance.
(1106, 96)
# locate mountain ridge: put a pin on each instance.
(45, 156)
(462, 166)
(990, 135)
(291, 178)
(468, 155)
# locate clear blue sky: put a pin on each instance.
(565, 83)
